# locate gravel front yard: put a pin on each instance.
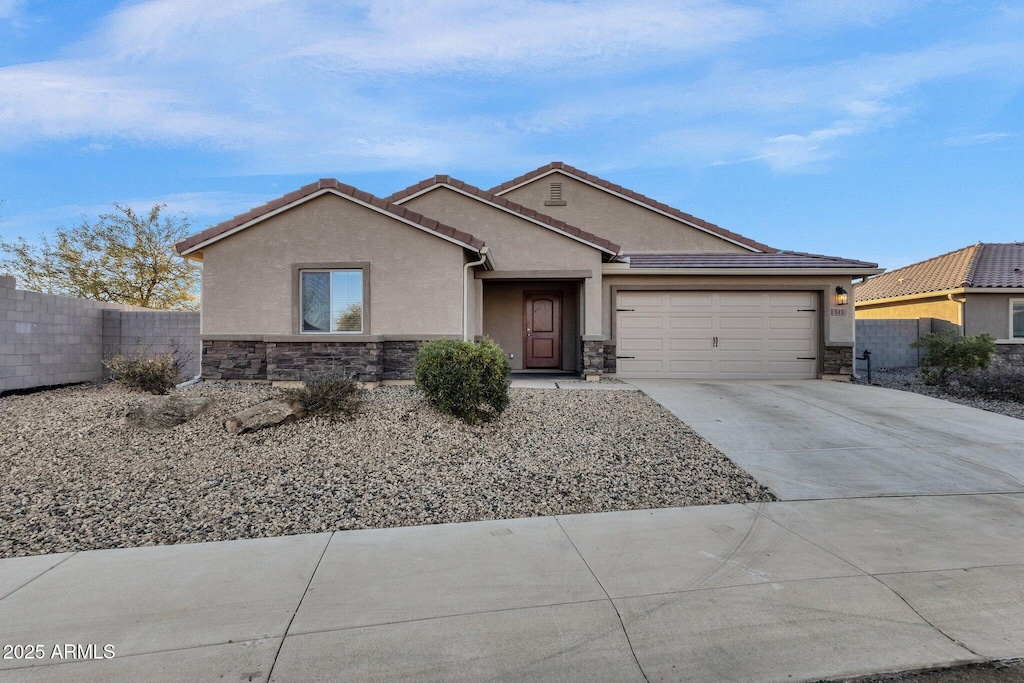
(909, 379)
(74, 477)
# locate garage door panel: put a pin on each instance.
(790, 322)
(803, 347)
(690, 300)
(754, 301)
(646, 300)
(642, 368)
(691, 367)
(739, 368)
(794, 369)
(760, 334)
(696, 322)
(798, 299)
(646, 344)
(646, 322)
(690, 345)
(742, 345)
(733, 322)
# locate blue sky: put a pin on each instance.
(876, 129)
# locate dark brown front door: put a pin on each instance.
(542, 329)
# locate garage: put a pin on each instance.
(717, 334)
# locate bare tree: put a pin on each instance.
(123, 257)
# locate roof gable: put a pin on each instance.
(633, 197)
(256, 215)
(977, 265)
(500, 203)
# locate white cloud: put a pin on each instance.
(10, 9)
(201, 206)
(288, 87)
(977, 138)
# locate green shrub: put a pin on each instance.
(950, 354)
(468, 380)
(327, 393)
(155, 374)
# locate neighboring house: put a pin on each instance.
(564, 270)
(977, 289)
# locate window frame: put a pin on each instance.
(299, 268)
(1019, 301)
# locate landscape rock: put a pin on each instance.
(74, 477)
(164, 412)
(262, 415)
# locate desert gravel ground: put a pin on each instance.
(909, 379)
(74, 477)
(1007, 671)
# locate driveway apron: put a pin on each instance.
(810, 440)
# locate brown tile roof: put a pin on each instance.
(779, 259)
(562, 226)
(330, 184)
(998, 265)
(978, 265)
(636, 196)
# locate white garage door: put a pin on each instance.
(717, 335)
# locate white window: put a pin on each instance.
(1016, 318)
(332, 301)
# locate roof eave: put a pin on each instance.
(319, 193)
(618, 269)
(939, 293)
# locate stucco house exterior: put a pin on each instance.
(567, 272)
(977, 289)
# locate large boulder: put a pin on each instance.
(163, 412)
(267, 414)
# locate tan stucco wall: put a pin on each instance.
(635, 228)
(989, 313)
(503, 318)
(416, 279)
(939, 308)
(836, 329)
(517, 244)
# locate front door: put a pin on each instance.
(542, 329)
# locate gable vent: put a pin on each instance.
(555, 195)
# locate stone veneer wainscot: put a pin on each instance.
(365, 361)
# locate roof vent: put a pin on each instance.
(555, 195)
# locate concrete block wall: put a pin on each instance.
(47, 339)
(153, 332)
(889, 341)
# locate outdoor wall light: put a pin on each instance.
(842, 298)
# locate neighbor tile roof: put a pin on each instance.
(635, 196)
(511, 206)
(979, 265)
(778, 259)
(330, 184)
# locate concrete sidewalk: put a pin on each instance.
(789, 591)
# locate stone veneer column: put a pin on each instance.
(593, 356)
(838, 360)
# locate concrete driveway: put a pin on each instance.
(814, 440)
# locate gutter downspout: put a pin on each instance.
(466, 336)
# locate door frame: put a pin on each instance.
(554, 294)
